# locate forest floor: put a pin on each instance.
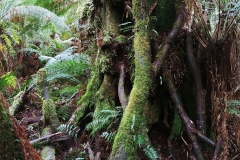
(77, 148)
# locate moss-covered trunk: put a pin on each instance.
(133, 122)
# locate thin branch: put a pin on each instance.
(59, 136)
(162, 53)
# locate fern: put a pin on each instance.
(7, 80)
(150, 152)
(63, 113)
(102, 119)
(67, 67)
(67, 91)
(109, 136)
(69, 129)
(43, 15)
(233, 107)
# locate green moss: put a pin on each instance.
(50, 114)
(41, 76)
(87, 100)
(41, 80)
(16, 103)
(133, 122)
(177, 125)
(121, 39)
(10, 147)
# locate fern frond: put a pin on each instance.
(69, 129)
(67, 67)
(233, 107)
(109, 136)
(103, 119)
(63, 113)
(45, 16)
(150, 152)
(7, 80)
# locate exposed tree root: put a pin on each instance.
(188, 125)
(200, 98)
(217, 149)
(121, 90)
(162, 53)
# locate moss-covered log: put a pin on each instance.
(133, 122)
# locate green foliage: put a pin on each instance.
(67, 67)
(177, 125)
(63, 113)
(69, 129)
(148, 150)
(7, 80)
(125, 27)
(109, 136)
(67, 91)
(43, 15)
(104, 119)
(233, 107)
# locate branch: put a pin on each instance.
(59, 136)
(162, 53)
(200, 98)
(121, 90)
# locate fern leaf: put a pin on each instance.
(44, 16)
(7, 80)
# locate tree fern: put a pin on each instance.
(42, 14)
(67, 67)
